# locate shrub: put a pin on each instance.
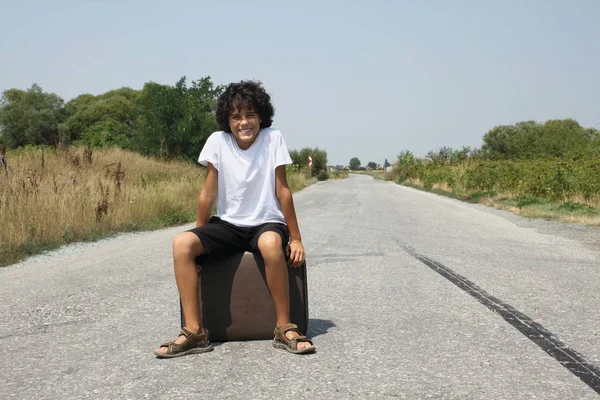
(322, 175)
(555, 179)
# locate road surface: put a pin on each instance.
(411, 295)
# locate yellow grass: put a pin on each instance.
(54, 197)
(297, 180)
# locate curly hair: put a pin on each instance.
(244, 94)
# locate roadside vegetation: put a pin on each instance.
(338, 174)
(549, 170)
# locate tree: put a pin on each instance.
(107, 133)
(372, 165)
(497, 142)
(175, 121)
(562, 138)
(300, 157)
(529, 139)
(99, 121)
(304, 153)
(354, 163)
(319, 159)
(386, 164)
(593, 135)
(30, 117)
(295, 156)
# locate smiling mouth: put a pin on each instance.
(245, 130)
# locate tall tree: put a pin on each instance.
(175, 121)
(319, 161)
(354, 163)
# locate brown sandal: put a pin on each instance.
(291, 345)
(194, 343)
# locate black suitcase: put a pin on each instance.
(236, 303)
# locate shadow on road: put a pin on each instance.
(318, 327)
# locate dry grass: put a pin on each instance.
(54, 197)
(298, 180)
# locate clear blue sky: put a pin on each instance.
(356, 78)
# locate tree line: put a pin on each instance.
(355, 165)
(527, 140)
(159, 120)
(562, 139)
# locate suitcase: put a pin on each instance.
(236, 303)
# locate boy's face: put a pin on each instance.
(244, 124)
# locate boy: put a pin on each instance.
(246, 177)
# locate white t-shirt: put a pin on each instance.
(246, 192)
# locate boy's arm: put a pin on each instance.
(208, 196)
(284, 195)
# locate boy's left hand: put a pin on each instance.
(296, 253)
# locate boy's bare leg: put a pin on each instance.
(186, 247)
(270, 246)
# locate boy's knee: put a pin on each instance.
(187, 243)
(270, 242)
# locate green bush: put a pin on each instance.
(322, 175)
(437, 174)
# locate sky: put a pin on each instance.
(364, 79)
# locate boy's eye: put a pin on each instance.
(251, 115)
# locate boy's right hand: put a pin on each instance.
(296, 253)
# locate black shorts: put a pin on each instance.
(220, 238)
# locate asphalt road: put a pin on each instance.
(411, 296)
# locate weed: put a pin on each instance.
(88, 156)
(102, 207)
